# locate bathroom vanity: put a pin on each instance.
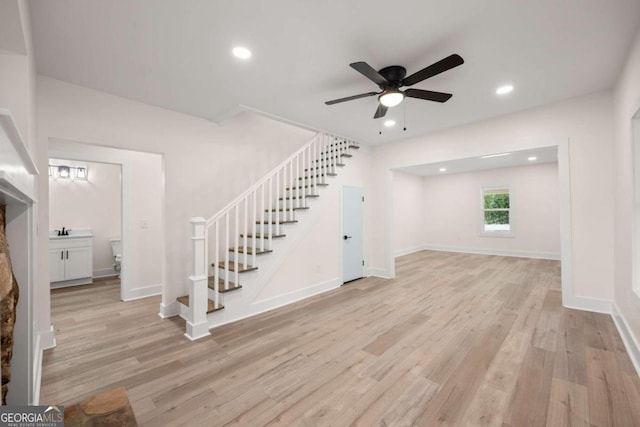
(70, 258)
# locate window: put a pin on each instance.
(496, 210)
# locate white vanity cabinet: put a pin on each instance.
(70, 260)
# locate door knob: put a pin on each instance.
(345, 237)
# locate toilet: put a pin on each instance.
(116, 250)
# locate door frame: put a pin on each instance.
(569, 299)
(125, 209)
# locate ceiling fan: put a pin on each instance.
(391, 79)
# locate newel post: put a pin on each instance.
(197, 325)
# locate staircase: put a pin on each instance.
(230, 247)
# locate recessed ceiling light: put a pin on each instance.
(494, 155)
(532, 158)
(503, 90)
(241, 52)
(390, 123)
(443, 169)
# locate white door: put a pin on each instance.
(353, 232)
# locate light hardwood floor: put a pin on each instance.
(455, 340)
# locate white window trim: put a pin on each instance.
(497, 233)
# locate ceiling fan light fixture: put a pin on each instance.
(391, 97)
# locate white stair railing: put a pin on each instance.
(255, 217)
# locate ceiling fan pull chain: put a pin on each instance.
(404, 116)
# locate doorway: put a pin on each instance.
(352, 234)
(86, 201)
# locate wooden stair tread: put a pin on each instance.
(319, 184)
(325, 167)
(258, 235)
(232, 266)
(274, 222)
(300, 197)
(221, 289)
(210, 304)
(339, 155)
(318, 176)
(286, 210)
(250, 250)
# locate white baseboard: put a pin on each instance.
(407, 251)
(588, 304)
(169, 310)
(377, 272)
(628, 338)
(44, 340)
(104, 272)
(269, 304)
(137, 293)
(297, 295)
(489, 251)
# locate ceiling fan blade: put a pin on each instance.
(441, 66)
(350, 98)
(367, 71)
(381, 111)
(428, 95)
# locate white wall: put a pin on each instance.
(626, 103)
(147, 212)
(452, 217)
(408, 213)
(586, 122)
(205, 165)
(93, 204)
(316, 260)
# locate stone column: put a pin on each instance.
(8, 300)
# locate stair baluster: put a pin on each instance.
(295, 179)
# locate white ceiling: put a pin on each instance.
(496, 161)
(176, 54)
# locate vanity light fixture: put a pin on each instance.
(69, 172)
(64, 172)
(81, 173)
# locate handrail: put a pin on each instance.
(247, 225)
(257, 185)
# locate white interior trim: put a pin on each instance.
(628, 338)
(143, 292)
(44, 341)
(389, 236)
(481, 251)
(566, 239)
(564, 183)
(278, 301)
